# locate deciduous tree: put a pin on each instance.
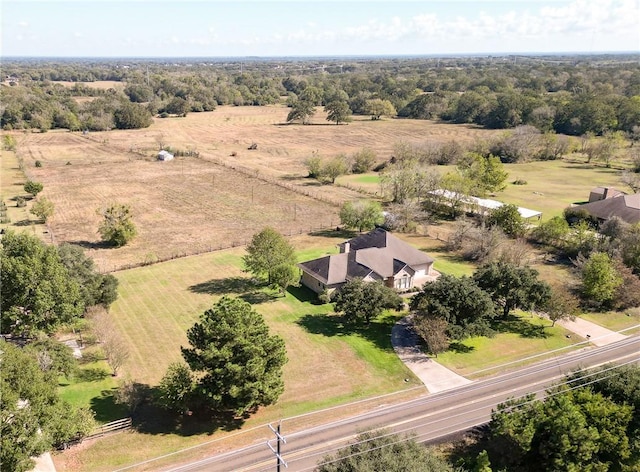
(338, 111)
(95, 288)
(561, 305)
(600, 279)
(237, 362)
(377, 107)
(33, 188)
(43, 208)
(508, 219)
(33, 418)
(433, 331)
(301, 110)
(284, 276)
(37, 292)
(457, 300)
(382, 450)
(267, 250)
(361, 215)
(176, 387)
(510, 286)
(361, 301)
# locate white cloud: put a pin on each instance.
(23, 24)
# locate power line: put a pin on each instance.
(517, 405)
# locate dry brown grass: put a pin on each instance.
(98, 84)
(192, 205)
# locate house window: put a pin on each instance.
(403, 282)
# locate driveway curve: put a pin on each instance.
(435, 377)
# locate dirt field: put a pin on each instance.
(192, 205)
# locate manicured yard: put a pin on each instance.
(523, 336)
(93, 386)
(629, 321)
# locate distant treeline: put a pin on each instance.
(572, 95)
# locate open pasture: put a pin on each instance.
(180, 207)
(193, 205)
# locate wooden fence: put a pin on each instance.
(112, 427)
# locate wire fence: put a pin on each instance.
(106, 268)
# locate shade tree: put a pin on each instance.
(508, 219)
(33, 418)
(457, 300)
(338, 110)
(362, 301)
(38, 294)
(511, 286)
(600, 279)
(268, 250)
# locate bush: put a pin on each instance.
(575, 215)
(21, 202)
(38, 164)
(520, 182)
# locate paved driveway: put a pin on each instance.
(436, 377)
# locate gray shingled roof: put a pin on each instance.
(626, 207)
(378, 253)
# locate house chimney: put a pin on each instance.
(347, 247)
(606, 191)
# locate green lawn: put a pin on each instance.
(329, 363)
(522, 337)
(93, 386)
(616, 320)
(554, 185)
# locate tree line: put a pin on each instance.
(571, 95)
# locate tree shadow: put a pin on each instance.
(460, 348)
(105, 407)
(151, 419)
(92, 374)
(334, 233)
(92, 244)
(22, 223)
(227, 285)
(256, 298)
(523, 327)
(378, 331)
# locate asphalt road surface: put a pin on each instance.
(429, 417)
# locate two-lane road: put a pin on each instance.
(429, 417)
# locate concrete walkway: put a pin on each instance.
(44, 463)
(436, 377)
(596, 334)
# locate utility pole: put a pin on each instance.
(276, 451)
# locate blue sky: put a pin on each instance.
(167, 28)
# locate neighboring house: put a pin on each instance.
(602, 193)
(375, 256)
(165, 156)
(625, 207)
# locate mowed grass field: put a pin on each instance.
(551, 185)
(329, 364)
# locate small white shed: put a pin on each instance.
(165, 156)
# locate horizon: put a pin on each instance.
(315, 28)
(344, 56)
